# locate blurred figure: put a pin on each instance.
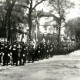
(6, 56)
(15, 55)
(23, 55)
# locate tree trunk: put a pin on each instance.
(30, 20)
(59, 34)
(7, 22)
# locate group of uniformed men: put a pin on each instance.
(19, 53)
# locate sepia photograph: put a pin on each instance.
(39, 40)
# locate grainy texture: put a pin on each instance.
(56, 68)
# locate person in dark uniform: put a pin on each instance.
(31, 53)
(19, 47)
(15, 55)
(41, 51)
(48, 50)
(27, 52)
(23, 55)
(37, 52)
(45, 50)
(0, 52)
(9, 50)
(51, 50)
(10, 53)
(6, 57)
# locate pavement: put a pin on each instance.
(61, 67)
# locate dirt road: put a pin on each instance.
(56, 68)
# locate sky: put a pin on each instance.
(74, 12)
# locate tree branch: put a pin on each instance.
(37, 15)
(22, 5)
(38, 3)
(25, 6)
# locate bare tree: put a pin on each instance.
(60, 8)
(9, 8)
(31, 8)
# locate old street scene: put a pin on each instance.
(39, 40)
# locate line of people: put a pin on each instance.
(12, 54)
(19, 54)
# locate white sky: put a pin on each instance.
(73, 12)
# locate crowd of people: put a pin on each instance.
(20, 53)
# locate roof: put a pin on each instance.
(45, 14)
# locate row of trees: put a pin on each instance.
(13, 12)
(73, 29)
(60, 8)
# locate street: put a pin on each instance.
(63, 67)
